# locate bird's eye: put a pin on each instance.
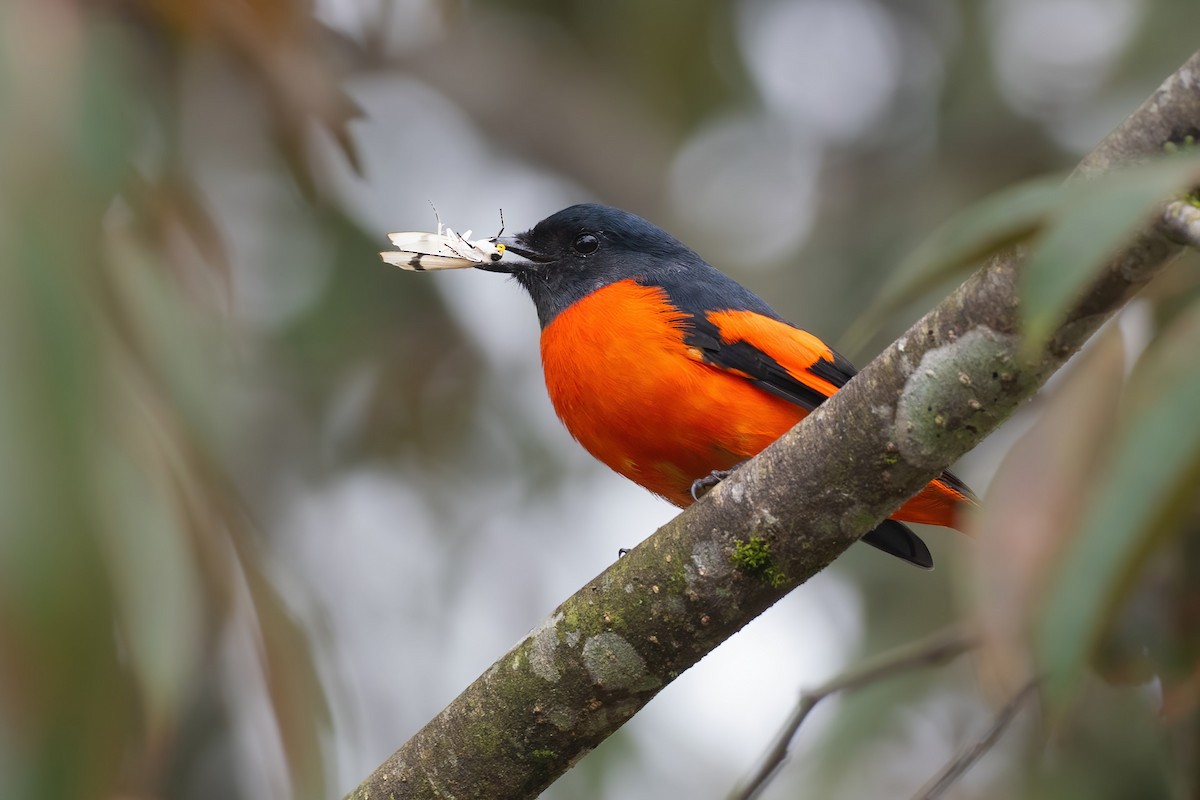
(586, 243)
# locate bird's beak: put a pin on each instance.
(517, 257)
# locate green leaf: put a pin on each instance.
(157, 592)
(1095, 219)
(996, 222)
(1139, 494)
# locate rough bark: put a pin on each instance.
(929, 398)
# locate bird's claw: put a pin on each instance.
(701, 486)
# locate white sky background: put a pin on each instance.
(826, 71)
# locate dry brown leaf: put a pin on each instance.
(1033, 506)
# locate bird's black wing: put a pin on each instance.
(757, 358)
(806, 385)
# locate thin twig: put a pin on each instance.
(1181, 221)
(933, 651)
(967, 758)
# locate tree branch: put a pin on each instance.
(977, 749)
(928, 399)
(933, 651)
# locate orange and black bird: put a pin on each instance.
(669, 371)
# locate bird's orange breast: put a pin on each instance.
(627, 386)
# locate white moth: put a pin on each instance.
(445, 249)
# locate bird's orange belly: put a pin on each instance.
(627, 386)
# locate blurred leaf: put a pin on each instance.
(118, 554)
(108, 113)
(170, 344)
(1094, 220)
(282, 49)
(1143, 488)
(1082, 225)
(957, 247)
(1154, 631)
(69, 709)
(295, 689)
(1033, 505)
(1112, 745)
(159, 606)
(172, 204)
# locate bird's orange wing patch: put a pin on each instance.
(781, 358)
(813, 371)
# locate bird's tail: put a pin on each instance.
(897, 539)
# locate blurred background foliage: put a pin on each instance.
(267, 506)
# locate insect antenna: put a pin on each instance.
(436, 216)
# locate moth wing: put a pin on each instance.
(422, 262)
(428, 251)
(430, 244)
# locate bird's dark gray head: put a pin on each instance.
(580, 249)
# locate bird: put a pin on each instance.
(666, 369)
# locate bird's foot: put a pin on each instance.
(701, 486)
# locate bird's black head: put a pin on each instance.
(571, 254)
